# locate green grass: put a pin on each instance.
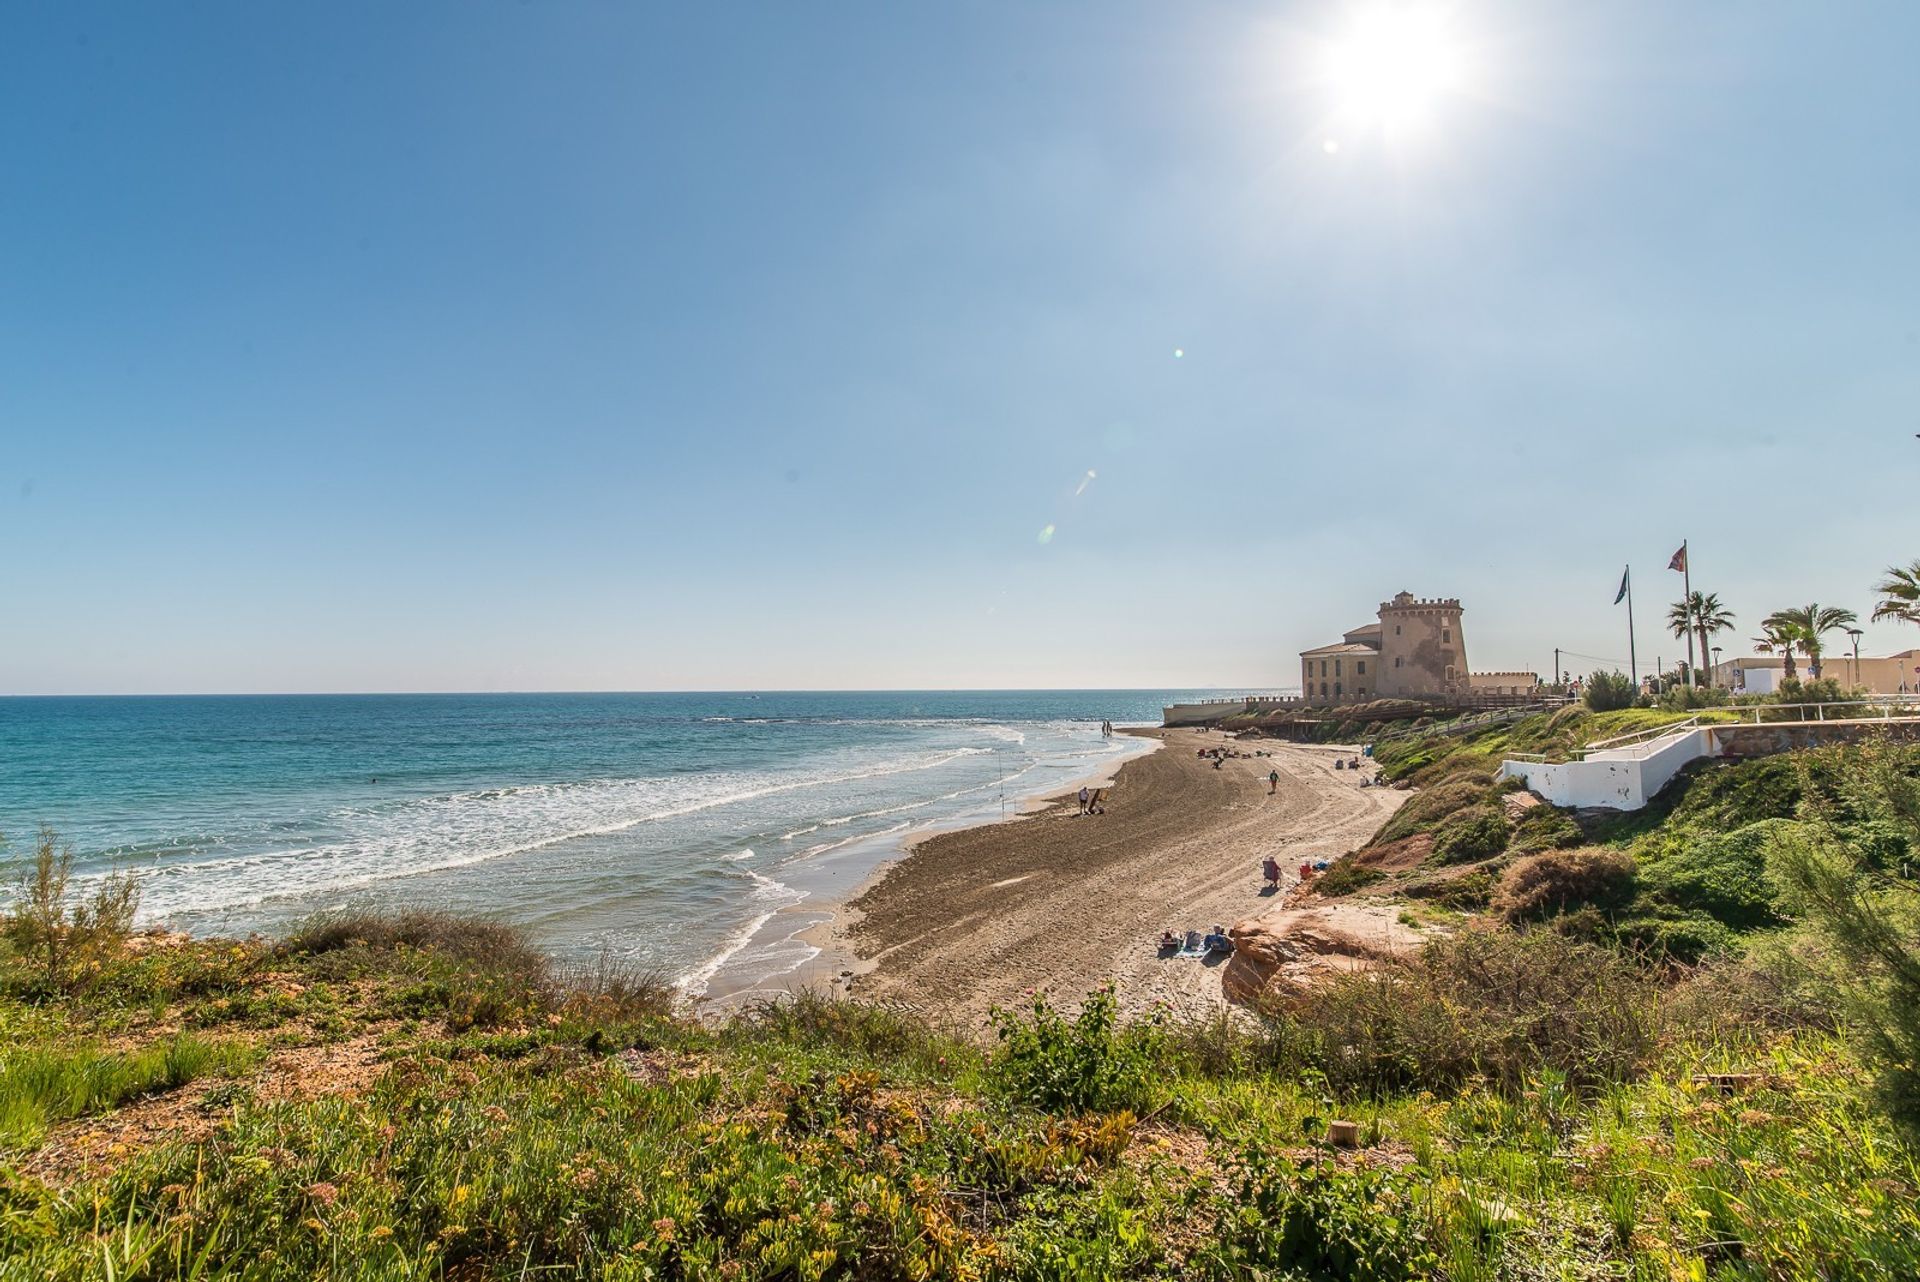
(1526, 1105)
(41, 1085)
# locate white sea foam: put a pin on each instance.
(441, 834)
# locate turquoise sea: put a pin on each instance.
(693, 834)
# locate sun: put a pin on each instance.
(1395, 65)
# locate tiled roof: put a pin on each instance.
(1344, 647)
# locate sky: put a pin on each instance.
(488, 346)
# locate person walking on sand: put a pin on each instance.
(1083, 799)
(1273, 782)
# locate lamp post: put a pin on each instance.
(1713, 673)
(1853, 673)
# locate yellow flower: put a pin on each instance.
(381, 1233)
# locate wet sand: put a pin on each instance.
(1057, 900)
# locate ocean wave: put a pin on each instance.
(444, 833)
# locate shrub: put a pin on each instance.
(1675, 934)
(1549, 884)
(1873, 922)
(1478, 832)
(1429, 807)
(1088, 1064)
(68, 941)
(1499, 1004)
(1722, 875)
(1345, 877)
(1610, 692)
(1543, 827)
(1307, 1219)
(1825, 690)
(491, 945)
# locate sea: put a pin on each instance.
(699, 837)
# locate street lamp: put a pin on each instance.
(1854, 671)
(1713, 673)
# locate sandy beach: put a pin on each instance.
(975, 918)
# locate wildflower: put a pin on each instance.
(324, 1193)
(1755, 1117)
(1701, 1164)
(381, 1233)
(663, 1228)
(494, 1113)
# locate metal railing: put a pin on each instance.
(1650, 739)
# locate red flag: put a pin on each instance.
(1679, 561)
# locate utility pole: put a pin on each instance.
(1557, 681)
(1686, 580)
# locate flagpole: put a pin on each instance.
(1686, 576)
(1633, 660)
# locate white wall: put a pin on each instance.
(1616, 778)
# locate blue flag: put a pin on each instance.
(1621, 595)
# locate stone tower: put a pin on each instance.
(1423, 652)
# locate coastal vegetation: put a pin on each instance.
(1523, 1105)
(1675, 1043)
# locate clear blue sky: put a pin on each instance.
(593, 345)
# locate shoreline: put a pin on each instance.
(981, 917)
(821, 919)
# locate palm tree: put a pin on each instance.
(1709, 618)
(1779, 638)
(1809, 623)
(1899, 594)
(1703, 616)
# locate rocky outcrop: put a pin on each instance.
(1282, 953)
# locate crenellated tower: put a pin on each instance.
(1422, 648)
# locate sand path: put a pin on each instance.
(1056, 900)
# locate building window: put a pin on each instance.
(1359, 692)
(1323, 670)
(1449, 672)
(1323, 689)
(1396, 629)
(1336, 667)
(1446, 634)
(1336, 689)
(1397, 660)
(1359, 667)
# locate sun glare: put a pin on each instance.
(1394, 65)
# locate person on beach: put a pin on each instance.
(1270, 869)
(1083, 799)
(1273, 782)
(1093, 803)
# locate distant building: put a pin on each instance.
(1763, 673)
(1416, 650)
